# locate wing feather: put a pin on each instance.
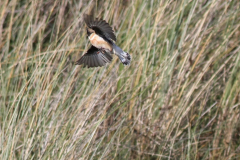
(94, 58)
(101, 27)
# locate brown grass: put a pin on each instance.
(179, 98)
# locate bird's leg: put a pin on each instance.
(102, 50)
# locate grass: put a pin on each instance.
(179, 98)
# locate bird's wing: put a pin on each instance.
(101, 27)
(94, 58)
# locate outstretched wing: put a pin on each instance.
(94, 58)
(101, 27)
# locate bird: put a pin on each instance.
(102, 39)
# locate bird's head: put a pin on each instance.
(90, 31)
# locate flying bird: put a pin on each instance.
(102, 39)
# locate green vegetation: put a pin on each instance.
(179, 98)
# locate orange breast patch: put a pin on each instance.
(99, 42)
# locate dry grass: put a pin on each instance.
(179, 98)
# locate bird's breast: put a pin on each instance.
(99, 42)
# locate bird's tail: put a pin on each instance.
(123, 56)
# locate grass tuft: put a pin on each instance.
(179, 98)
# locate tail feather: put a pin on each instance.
(123, 56)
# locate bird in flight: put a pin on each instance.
(103, 39)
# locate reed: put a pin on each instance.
(179, 98)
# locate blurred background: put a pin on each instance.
(179, 98)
